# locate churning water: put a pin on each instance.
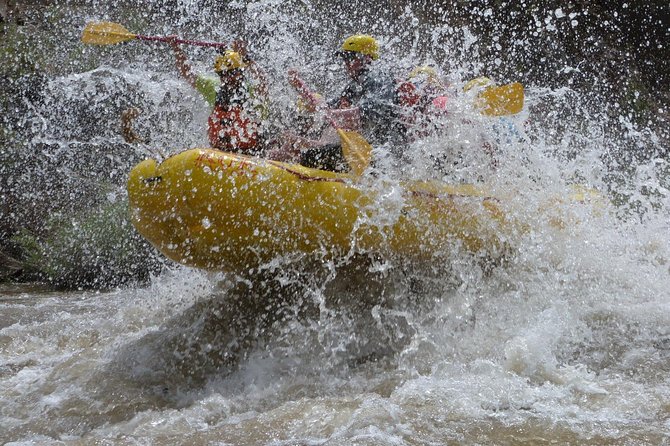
(565, 342)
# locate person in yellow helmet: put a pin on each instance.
(368, 104)
(423, 98)
(238, 99)
(422, 87)
(371, 89)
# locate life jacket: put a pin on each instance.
(230, 126)
(411, 95)
(419, 106)
(408, 94)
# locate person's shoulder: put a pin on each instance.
(207, 81)
(207, 86)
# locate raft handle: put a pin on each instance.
(153, 179)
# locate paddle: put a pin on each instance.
(501, 100)
(110, 33)
(355, 148)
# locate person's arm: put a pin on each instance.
(348, 118)
(183, 66)
(313, 101)
(347, 97)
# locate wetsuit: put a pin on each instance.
(374, 92)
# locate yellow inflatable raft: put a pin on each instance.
(220, 211)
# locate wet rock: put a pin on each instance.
(9, 266)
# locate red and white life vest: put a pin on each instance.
(230, 129)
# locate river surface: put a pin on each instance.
(566, 345)
(566, 340)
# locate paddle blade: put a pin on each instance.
(356, 150)
(105, 33)
(501, 101)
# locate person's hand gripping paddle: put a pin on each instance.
(356, 150)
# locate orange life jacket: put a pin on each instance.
(231, 130)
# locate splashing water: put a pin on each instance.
(565, 341)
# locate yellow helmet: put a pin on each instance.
(229, 60)
(429, 73)
(362, 43)
(478, 82)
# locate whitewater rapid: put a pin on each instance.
(567, 341)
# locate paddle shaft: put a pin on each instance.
(303, 89)
(180, 41)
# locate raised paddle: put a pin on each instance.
(110, 33)
(355, 148)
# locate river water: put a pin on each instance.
(568, 345)
(567, 341)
